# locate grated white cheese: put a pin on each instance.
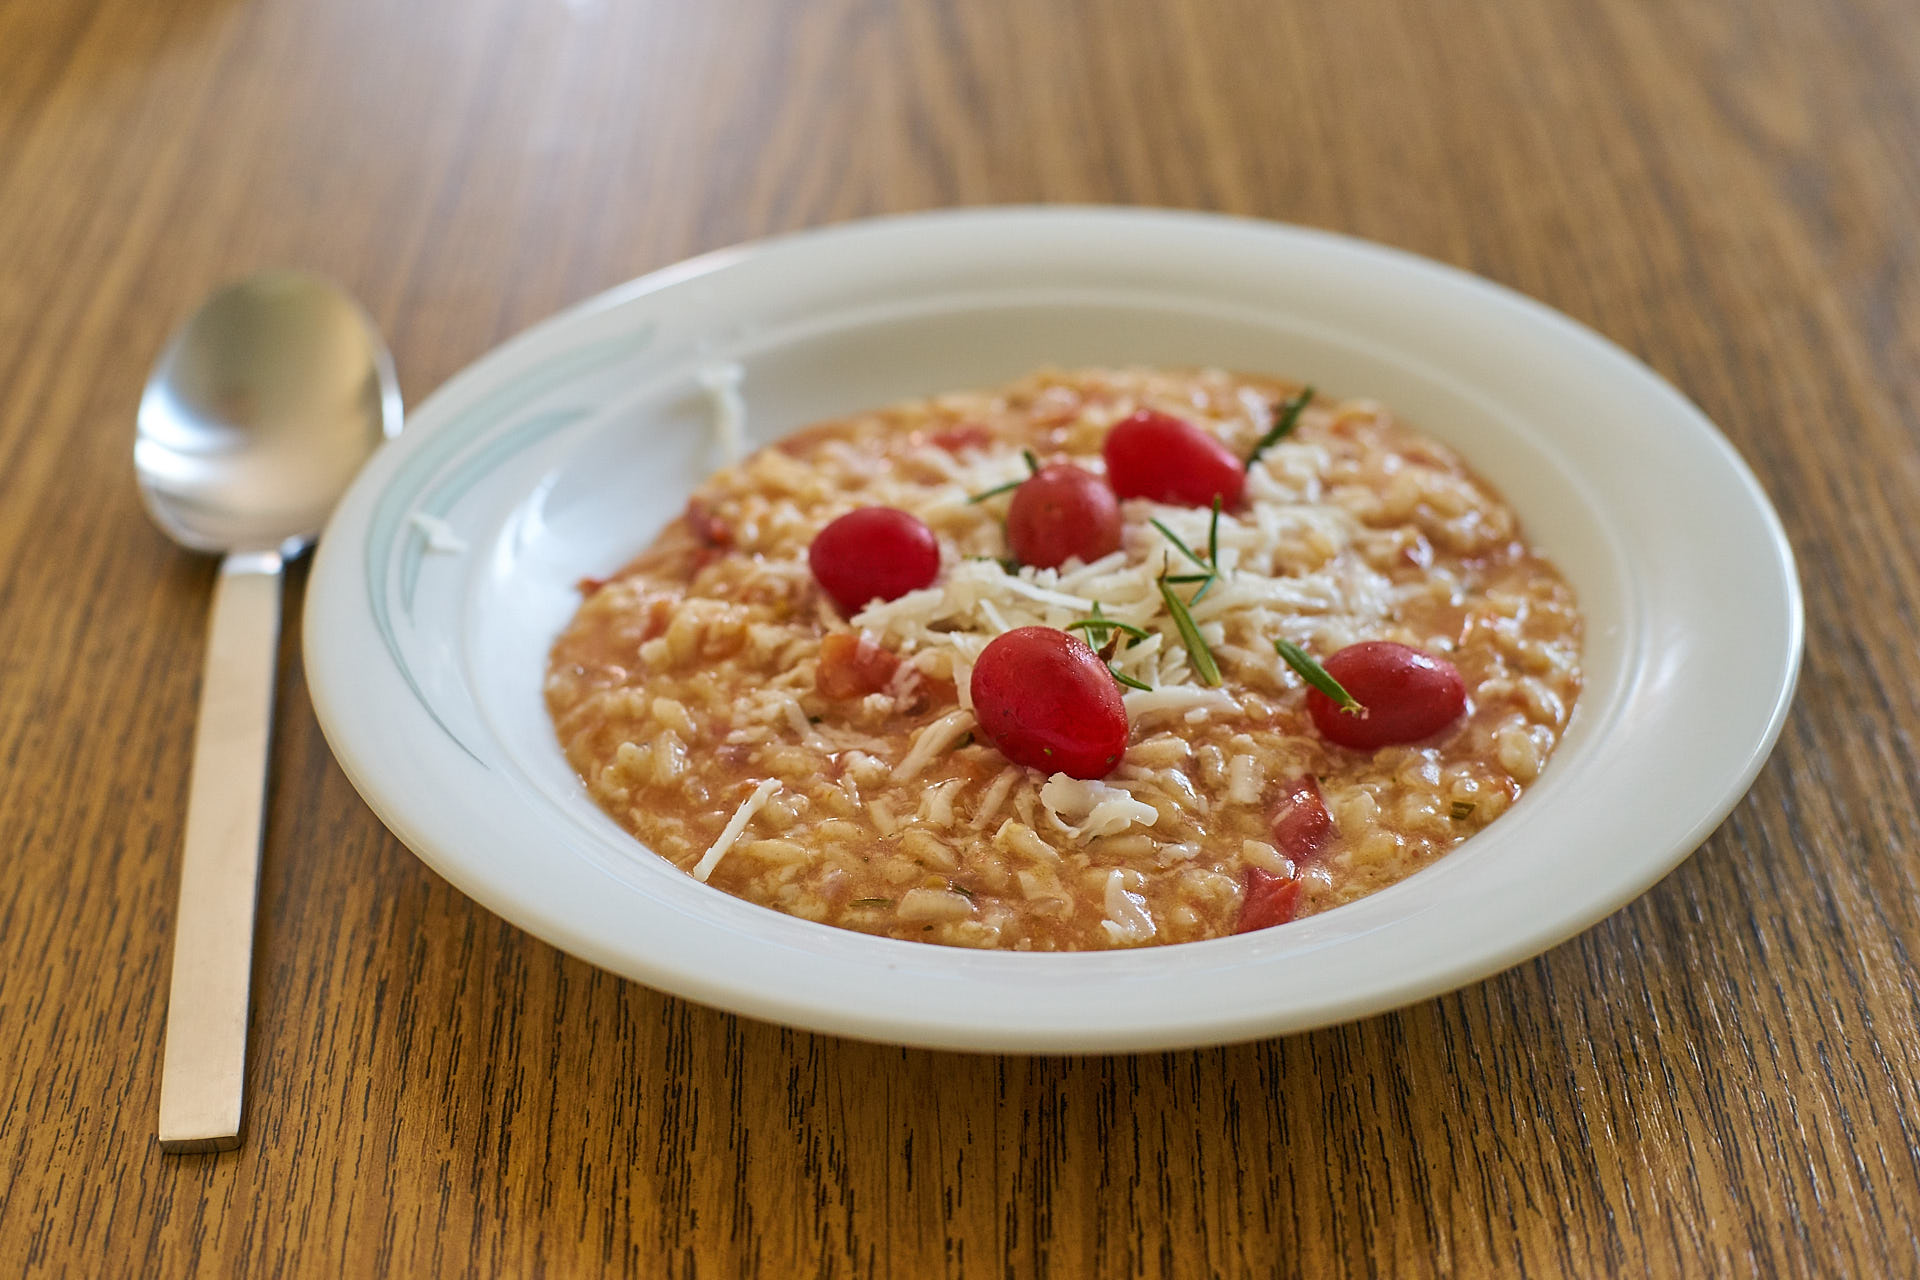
(906, 678)
(1245, 778)
(802, 727)
(439, 535)
(933, 739)
(721, 382)
(735, 825)
(1175, 699)
(1018, 837)
(936, 803)
(1085, 809)
(1128, 919)
(1265, 856)
(996, 795)
(963, 678)
(1021, 587)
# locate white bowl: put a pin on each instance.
(562, 453)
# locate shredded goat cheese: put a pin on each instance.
(721, 382)
(439, 535)
(933, 739)
(735, 825)
(1085, 809)
(1175, 700)
(1128, 920)
(996, 795)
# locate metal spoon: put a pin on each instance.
(257, 416)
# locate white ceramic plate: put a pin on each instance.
(563, 453)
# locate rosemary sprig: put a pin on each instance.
(1105, 626)
(1203, 661)
(994, 492)
(1033, 469)
(1182, 547)
(1285, 417)
(1209, 563)
(872, 902)
(1462, 810)
(1213, 554)
(1316, 675)
(1108, 635)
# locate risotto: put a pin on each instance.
(1104, 658)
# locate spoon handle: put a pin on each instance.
(203, 1074)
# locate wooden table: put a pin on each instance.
(1720, 1078)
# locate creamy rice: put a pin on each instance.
(687, 692)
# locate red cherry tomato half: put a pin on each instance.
(1047, 701)
(1062, 512)
(1302, 827)
(873, 553)
(1158, 456)
(1268, 900)
(852, 666)
(1408, 695)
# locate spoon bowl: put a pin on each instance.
(257, 416)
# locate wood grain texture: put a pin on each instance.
(1721, 1078)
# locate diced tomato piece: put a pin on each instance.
(1269, 900)
(925, 693)
(963, 435)
(1302, 827)
(659, 613)
(852, 666)
(587, 586)
(1056, 406)
(706, 526)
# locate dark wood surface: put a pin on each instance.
(1720, 1078)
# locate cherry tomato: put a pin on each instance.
(1408, 695)
(1302, 827)
(1158, 456)
(1047, 701)
(873, 553)
(1268, 900)
(852, 666)
(1060, 512)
